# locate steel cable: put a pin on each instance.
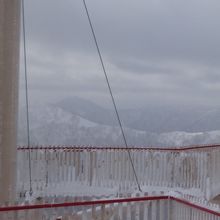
(111, 93)
(26, 95)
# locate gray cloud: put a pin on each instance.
(155, 50)
(144, 67)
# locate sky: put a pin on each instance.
(155, 51)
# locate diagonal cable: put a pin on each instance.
(111, 94)
(26, 95)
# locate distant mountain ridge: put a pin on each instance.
(64, 124)
(157, 119)
(88, 110)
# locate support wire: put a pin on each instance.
(26, 96)
(111, 93)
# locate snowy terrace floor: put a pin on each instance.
(107, 171)
(95, 192)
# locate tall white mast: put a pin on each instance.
(9, 67)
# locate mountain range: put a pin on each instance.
(76, 121)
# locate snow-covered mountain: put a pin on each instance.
(53, 125)
(155, 118)
(62, 124)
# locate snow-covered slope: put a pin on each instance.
(151, 118)
(52, 125)
(180, 138)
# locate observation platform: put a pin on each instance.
(81, 183)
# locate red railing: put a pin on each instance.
(83, 203)
(150, 207)
(147, 148)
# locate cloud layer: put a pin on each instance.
(154, 51)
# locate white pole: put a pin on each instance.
(9, 66)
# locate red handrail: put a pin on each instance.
(195, 206)
(90, 148)
(84, 203)
(110, 201)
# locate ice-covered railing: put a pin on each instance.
(59, 169)
(134, 208)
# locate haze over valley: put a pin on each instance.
(77, 121)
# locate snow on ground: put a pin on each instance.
(76, 190)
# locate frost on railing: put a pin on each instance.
(135, 208)
(191, 209)
(213, 186)
(55, 170)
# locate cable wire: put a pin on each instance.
(26, 95)
(111, 93)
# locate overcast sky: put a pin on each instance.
(155, 51)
